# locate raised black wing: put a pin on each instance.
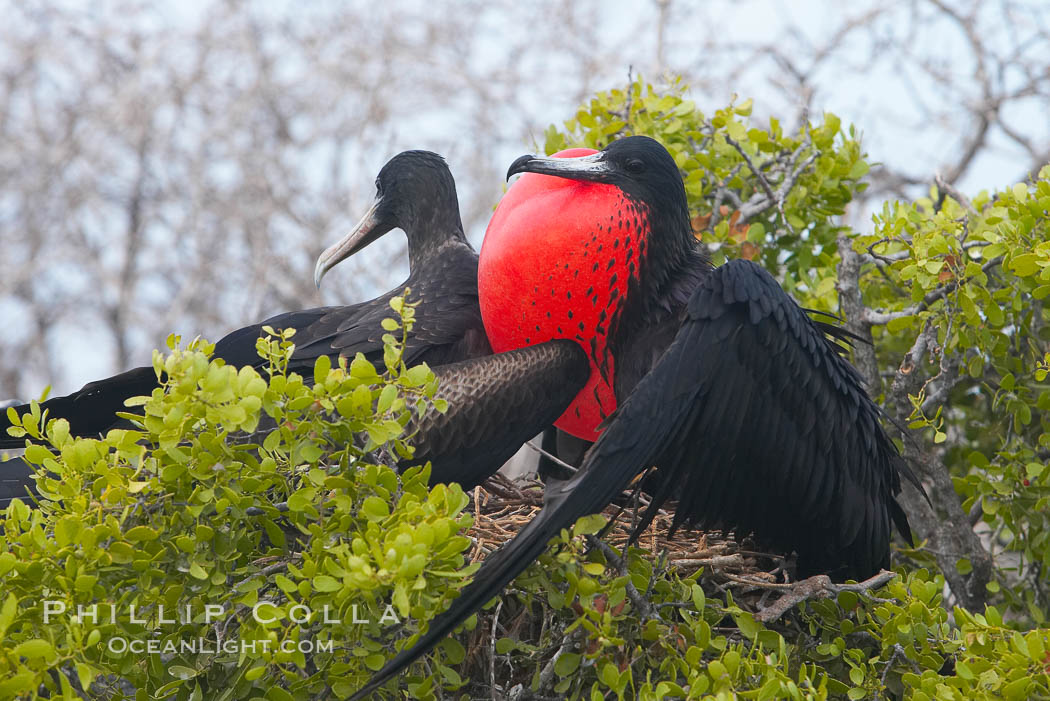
(238, 347)
(765, 428)
(755, 422)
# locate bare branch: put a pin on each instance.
(818, 587)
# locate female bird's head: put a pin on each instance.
(415, 192)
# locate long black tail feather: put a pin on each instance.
(587, 493)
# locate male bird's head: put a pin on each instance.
(651, 184)
(415, 192)
(638, 165)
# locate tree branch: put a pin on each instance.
(818, 587)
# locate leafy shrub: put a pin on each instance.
(252, 516)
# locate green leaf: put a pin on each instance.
(858, 170)
(19, 682)
(895, 326)
(37, 454)
(386, 398)
(567, 664)
(33, 649)
(301, 499)
(276, 693)
(140, 534)
(770, 690)
(416, 376)
(326, 583)
(589, 525)
(747, 624)
(1017, 689)
(375, 508)
(594, 568)
(85, 674)
(7, 613)
(66, 530)
(322, 367)
(454, 650)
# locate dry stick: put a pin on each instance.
(716, 561)
(553, 458)
(818, 587)
(754, 169)
(872, 317)
(898, 651)
(759, 203)
(548, 669)
(492, 650)
(945, 525)
(500, 486)
(947, 188)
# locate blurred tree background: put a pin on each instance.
(179, 170)
(178, 167)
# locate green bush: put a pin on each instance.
(232, 491)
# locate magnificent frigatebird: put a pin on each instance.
(745, 406)
(415, 192)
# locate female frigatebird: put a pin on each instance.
(415, 191)
(744, 405)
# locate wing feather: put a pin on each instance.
(495, 404)
(788, 444)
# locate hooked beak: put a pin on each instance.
(591, 167)
(367, 230)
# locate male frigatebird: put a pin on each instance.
(744, 405)
(415, 191)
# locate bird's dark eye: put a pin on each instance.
(634, 166)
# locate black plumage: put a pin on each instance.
(745, 406)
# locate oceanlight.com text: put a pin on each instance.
(120, 646)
